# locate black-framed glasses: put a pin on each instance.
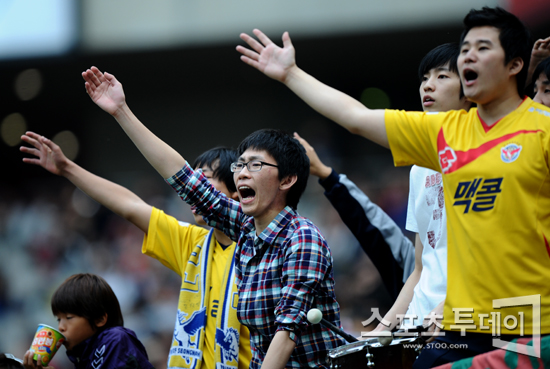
(252, 166)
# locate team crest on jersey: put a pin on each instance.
(185, 335)
(228, 341)
(510, 152)
(447, 157)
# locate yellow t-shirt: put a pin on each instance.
(497, 194)
(178, 246)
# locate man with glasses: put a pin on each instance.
(283, 264)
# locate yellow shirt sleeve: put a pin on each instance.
(413, 137)
(171, 241)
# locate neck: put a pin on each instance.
(222, 238)
(262, 221)
(491, 112)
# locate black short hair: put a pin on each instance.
(88, 296)
(514, 37)
(289, 154)
(543, 67)
(219, 160)
(439, 57)
(6, 362)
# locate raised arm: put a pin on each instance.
(541, 51)
(118, 199)
(106, 91)
(391, 252)
(280, 64)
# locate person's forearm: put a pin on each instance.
(339, 107)
(279, 351)
(405, 297)
(160, 155)
(391, 252)
(118, 199)
(403, 301)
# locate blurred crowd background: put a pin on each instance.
(184, 80)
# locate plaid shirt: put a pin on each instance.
(282, 273)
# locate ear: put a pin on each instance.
(101, 321)
(515, 66)
(288, 182)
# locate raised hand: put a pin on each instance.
(270, 59)
(104, 89)
(316, 166)
(541, 49)
(47, 154)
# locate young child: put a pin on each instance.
(89, 316)
(207, 331)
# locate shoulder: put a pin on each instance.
(538, 111)
(119, 338)
(303, 231)
(299, 223)
(119, 347)
(168, 222)
(453, 116)
(116, 334)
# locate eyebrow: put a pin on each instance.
(439, 69)
(251, 158)
(544, 83)
(481, 41)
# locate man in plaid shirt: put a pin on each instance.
(284, 266)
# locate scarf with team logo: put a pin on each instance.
(190, 325)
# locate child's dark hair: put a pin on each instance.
(219, 159)
(543, 67)
(289, 154)
(438, 57)
(514, 37)
(8, 361)
(88, 296)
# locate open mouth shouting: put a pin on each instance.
(247, 194)
(470, 76)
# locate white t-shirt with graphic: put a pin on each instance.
(426, 216)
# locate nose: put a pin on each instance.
(244, 173)
(469, 56)
(537, 98)
(428, 84)
(61, 327)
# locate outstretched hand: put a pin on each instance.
(104, 89)
(47, 154)
(316, 166)
(270, 59)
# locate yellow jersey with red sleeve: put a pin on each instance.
(496, 182)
